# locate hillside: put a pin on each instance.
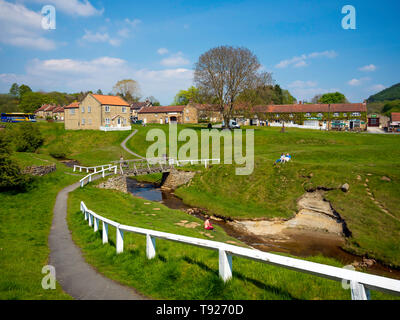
(391, 93)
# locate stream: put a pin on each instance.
(300, 243)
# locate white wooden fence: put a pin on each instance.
(193, 161)
(95, 169)
(88, 178)
(360, 283)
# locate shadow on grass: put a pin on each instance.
(240, 276)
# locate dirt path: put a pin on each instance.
(123, 145)
(78, 278)
(380, 206)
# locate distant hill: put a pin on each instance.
(388, 94)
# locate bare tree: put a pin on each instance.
(224, 72)
(128, 89)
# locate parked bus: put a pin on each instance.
(18, 117)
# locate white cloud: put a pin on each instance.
(134, 22)
(368, 68)
(377, 87)
(306, 90)
(22, 27)
(358, 82)
(70, 75)
(99, 37)
(175, 60)
(73, 7)
(162, 51)
(301, 61)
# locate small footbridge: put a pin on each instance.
(135, 167)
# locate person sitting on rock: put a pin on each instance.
(288, 157)
(207, 224)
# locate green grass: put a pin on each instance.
(24, 229)
(320, 159)
(89, 147)
(182, 271)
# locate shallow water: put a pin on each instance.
(299, 243)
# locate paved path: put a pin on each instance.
(77, 278)
(123, 145)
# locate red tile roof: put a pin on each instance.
(160, 109)
(59, 109)
(110, 100)
(42, 107)
(338, 107)
(72, 105)
(395, 116)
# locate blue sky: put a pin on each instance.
(97, 43)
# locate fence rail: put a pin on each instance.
(360, 283)
(88, 178)
(76, 167)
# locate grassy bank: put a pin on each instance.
(181, 271)
(320, 159)
(24, 229)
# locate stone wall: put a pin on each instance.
(177, 178)
(40, 170)
(116, 182)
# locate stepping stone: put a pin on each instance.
(156, 208)
(147, 203)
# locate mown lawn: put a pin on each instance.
(182, 271)
(320, 159)
(25, 221)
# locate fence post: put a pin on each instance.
(115, 170)
(150, 246)
(205, 163)
(105, 232)
(87, 170)
(225, 265)
(90, 220)
(82, 184)
(120, 240)
(74, 167)
(359, 292)
(86, 215)
(95, 169)
(103, 174)
(80, 169)
(96, 224)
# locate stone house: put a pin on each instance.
(394, 125)
(378, 120)
(98, 112)
(58, 114)
(341, 116)
(168, 114)
(136, 106)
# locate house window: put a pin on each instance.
(187, 110)
(83, 109)
(320, 115)
(123, 109)
(124, 120)
(308, 114)
(107, 120)
(83, 121)
(336, 114)
(356, 114)
(187, 118)
(277, 115)
(344, 114)
(89, 109)
(107, 108)
(291, 115)
(90, 121)
(71, 111)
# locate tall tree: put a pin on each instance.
(128, 89)
(183, 97)
(99, 91)
(225, 72)
(22, 90)
(14, 90)
(335, 97)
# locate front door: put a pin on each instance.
(118, 122)
(351, 125)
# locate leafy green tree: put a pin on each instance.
(392, 93)
(14, 90)
(335, 97)
(8, 103)
(28, 138)
(391, 106)
(183, 97)
(22, 90)
(99, 91)
(11, 177)
(33, 100)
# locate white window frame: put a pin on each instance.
(83, 109)
(308, 114)
(107, 120)
(83, 121)
(107, 108)
(123, 109)
(336, 114)
(89, 109)
(89, 121)
(356, 114)
(71, 111)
